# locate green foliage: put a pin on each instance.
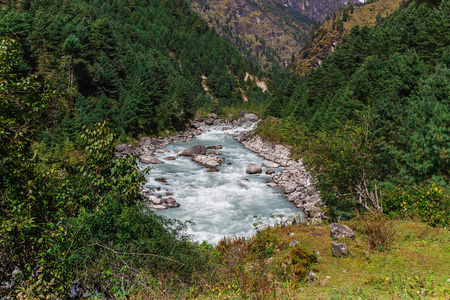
(378, 106)
(264, 243)
(31, 231)
(345, 14)
(72, 215)
(72, 45)
(139, 66)
(301, 261)
(340, 25)
(429, 202)
(377, 230)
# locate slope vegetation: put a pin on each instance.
(325, 38)
(269, 31)
(139, 65)
(377, 112)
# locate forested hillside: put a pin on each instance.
(268, 31)
(377, 111)
(138, 64)
(328, 35)
(76, 76)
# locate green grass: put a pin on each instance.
(416, 266)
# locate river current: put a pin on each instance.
(222, 203)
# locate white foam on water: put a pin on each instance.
(220, 203)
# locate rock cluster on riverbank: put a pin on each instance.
(295, 181)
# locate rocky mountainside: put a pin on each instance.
(326, 37)
(316, 9)
(270, 31)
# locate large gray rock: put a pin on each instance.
(253, 169)
(339, 249)
(209, 121)
(341, 231)
(149, 159)
(289, 188)
(171, 202)
(251, 117)
(125, 149)
(194, 151)
(212, 116)
(208, 161)
(269, 164)
(155, 200)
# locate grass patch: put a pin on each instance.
(415, 266)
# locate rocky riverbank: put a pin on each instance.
(295, 181)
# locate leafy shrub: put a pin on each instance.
(300, 261)
(264, 243)
(377, 229)
(430, 203)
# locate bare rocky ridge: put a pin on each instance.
(270, 31)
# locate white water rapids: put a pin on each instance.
(220, 203)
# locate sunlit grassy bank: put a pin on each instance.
(413, 266)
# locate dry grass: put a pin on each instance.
(366, 15)
(415, 267)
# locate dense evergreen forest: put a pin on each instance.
(377, 109)
(138, 64)
(76, 76)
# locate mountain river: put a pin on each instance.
(222, 203)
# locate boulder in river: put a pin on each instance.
(169, 158)
(216, 147)
(171, 202)
(160, 179)
(194, 151)
(149, 159)
(212, 116)
(159, 207)
(253, 168)
(155, 200)
(208, 161)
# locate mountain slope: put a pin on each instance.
(329, 34)
(269, 31)
(376, 111)
(140, 66)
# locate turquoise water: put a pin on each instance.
(220, 203)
